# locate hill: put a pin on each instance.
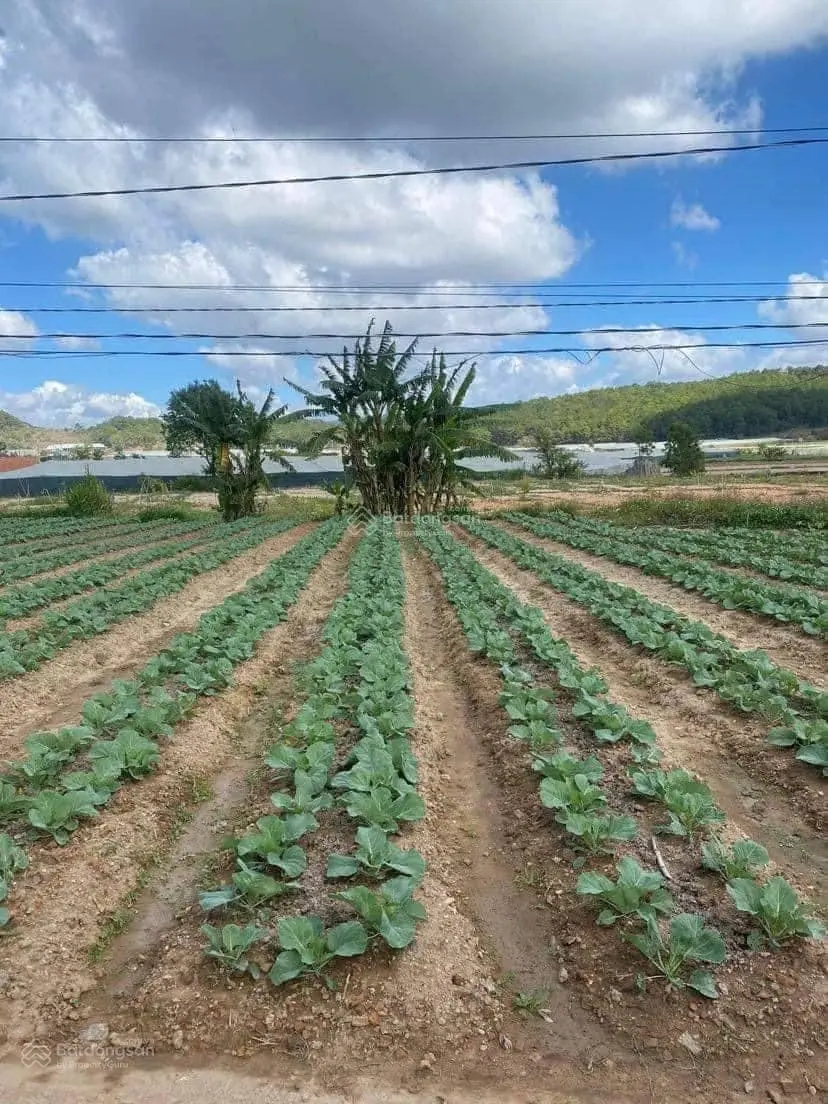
(746, 404)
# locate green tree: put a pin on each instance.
(231, 430)
(682, 453)
(404, 434)
(643, 438)
(197, 418)
(555, 462)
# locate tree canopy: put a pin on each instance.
(233, 436)
(404, 431)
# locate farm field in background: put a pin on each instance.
(514, 798)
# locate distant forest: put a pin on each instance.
(747, 404)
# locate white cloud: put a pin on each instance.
(77, 342)
(685, 257)
(692, 216)
(17, 326)
(810, 308)
(72, 69)
(510, 378)
(634, 356)
(57, 404)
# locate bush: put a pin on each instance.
(179, 512)
(88, 497)
(713, 512)
(194, 483)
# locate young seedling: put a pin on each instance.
(531, 1003)
(230, 945)
(778, 910)
(13, 859)
(635, 893)
(375, 853)
(743, 860)
(686, 942)
(59, 814)
(307, 947)
(594, 831)
(575, 794)
(391, 912)
(563, 766)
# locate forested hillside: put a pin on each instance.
(746, 404)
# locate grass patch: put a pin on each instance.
(302, 507)
(715, 512)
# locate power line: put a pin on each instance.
(396, 174)
(439, 334)
(382, 307)
(453, 289)
(247, 139)
(476, 353)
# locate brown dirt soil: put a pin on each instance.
(786, 645)
(431, 1024)
(744, 1031)
(145, 1081)
(775, 791)
(54, 693)
(69, 895)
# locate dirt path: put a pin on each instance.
(145, 1081)
(760, 787)
(54, 693)
(465, 839)
(786, 646)
(68, 896)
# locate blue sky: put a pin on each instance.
(752, 216)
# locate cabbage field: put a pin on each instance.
(525, 803)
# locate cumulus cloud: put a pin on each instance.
(136, 68)
(639, 356)
(56, 404)
(692, 216)
(809, 308)
(510, 378)
(18, 326)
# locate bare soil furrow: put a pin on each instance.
(769, 790)
(68, 895)
(599, 970)
(55, 692)
(473, 864)
(786, 646)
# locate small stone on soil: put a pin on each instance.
(94, 1033)
(691, 1043)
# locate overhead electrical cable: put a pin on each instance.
(398, 174)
